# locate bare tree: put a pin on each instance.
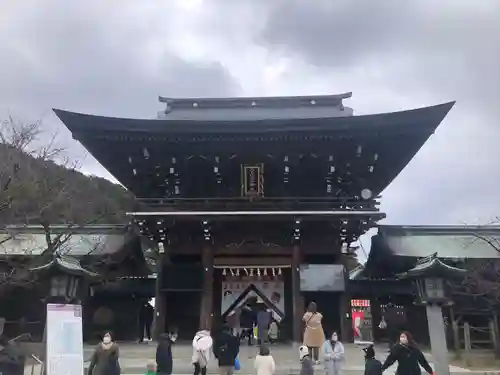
(482, 280)
(39, 186)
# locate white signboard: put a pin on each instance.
(235, 294)
(64, 340)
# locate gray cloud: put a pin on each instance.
(90, 57)
(431, 52)
(114, 58)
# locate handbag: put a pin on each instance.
(237, 365)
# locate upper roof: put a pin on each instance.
(422, 120)
(255, 108)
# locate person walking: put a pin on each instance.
(332, 354)
(264, 361)
(314, 336)
(164, 359)
(104, 360)
(202, 343)
(226, 347)
(408, 356)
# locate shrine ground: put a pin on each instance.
(134, 357)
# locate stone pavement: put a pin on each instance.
(134, 357)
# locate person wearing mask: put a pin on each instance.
(104, 360)
(408, 356)
(202, 343)
(314, 336)
(332, 354)
(372, 365)
(164, 360)
(306, 365)
(264, 361)
(226, 347)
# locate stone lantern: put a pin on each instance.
(64, 279)
(430, 276)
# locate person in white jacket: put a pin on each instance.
(264, 362)
(202, 345)
(332, 354)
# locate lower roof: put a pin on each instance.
(449, 242)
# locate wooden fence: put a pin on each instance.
(467, 338)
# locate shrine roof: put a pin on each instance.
(29, 240)
(255, 108)
(448, 242)
(422, 120)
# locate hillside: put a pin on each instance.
(35, 190)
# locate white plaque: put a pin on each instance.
(64, 340)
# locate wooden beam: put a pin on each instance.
(297, 299)
(206, 313)
(252, 261)
(160, 314)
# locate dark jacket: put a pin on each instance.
(306, 366)
(373, 367)
(105, 361)
(164, 361)
(226, 348)
(408, 358)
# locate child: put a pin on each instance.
(202, 343)
(273, 332)
(372, 365)
(264, 362)
(306, 366)
(150, 369)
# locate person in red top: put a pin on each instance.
(408, 356)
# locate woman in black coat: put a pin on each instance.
(408, 356)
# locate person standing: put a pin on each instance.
(264, 362)
(391, 320)
(332, 353)
(372, 365)
(164, 359)
(226, 347)
(306, 366)
(202, 343)
(246, 322)
(264, 318)
(408, 356)
(104, 360)
(314, 336)
(146, 316)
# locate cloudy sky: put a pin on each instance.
(115, 57)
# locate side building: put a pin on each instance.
(255, 198)
(113, 251)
